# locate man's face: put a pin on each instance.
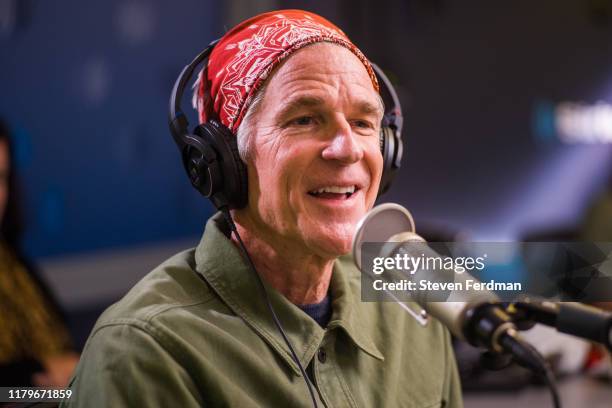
(315, 162)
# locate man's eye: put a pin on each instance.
(364, 124)
(303, 121)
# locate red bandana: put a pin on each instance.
(246, 55)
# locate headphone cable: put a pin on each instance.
(232, 225)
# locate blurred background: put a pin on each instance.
(507, 111)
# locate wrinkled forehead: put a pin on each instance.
(324, 58)
(319, 72)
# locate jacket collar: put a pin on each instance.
(222, 266)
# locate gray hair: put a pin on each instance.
(246, 128)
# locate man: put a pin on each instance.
(304, 104)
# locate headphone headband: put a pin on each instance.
(179, 124)
(396, 120)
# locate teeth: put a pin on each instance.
(335, 189)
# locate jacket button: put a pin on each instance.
(322, 355)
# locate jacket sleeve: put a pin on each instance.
(453, 397)
(124, 365)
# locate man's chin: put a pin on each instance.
(333, 244)
(328, 234)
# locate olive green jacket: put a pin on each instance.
(197, 332)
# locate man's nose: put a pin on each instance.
(344, 146)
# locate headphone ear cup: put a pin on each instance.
(391, 149)
(202, 167)
(231, 171)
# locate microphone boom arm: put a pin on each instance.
(573, 318)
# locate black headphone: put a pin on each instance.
(210, 153)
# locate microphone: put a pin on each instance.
(475, 316)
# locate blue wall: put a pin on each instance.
(85, 87)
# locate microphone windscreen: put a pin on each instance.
(379, 225)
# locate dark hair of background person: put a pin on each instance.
(20, 371)
(11, 225)
(12, 221)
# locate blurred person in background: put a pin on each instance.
(35, 346)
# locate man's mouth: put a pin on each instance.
(334, 192)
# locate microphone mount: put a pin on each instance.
(572, 318)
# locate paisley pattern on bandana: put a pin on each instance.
(245, 57)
